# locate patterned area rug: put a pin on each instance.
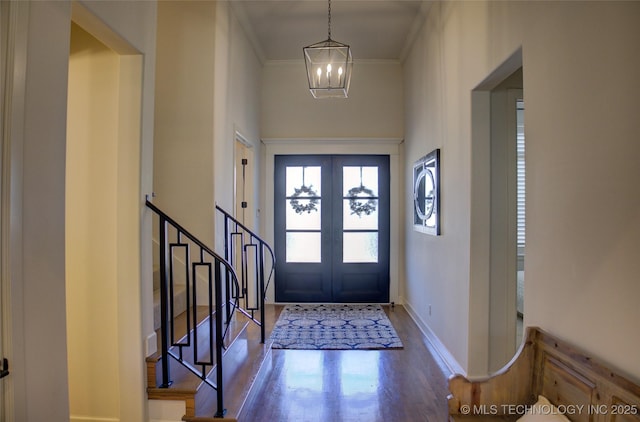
(334, 327)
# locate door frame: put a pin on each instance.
(128, 224)
(243, 190)
(480, 284)
(15, 25)
(344, 146)
(503, 227)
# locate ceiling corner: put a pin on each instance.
(239, 10)
(414, 30)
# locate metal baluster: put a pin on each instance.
(219, 338)
(166, 382)
(261, 293)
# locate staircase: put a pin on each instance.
(211, 319)
(179, 298)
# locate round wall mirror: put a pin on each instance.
(424, 194)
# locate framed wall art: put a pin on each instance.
(426, 193)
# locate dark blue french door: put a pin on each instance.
(332, 228)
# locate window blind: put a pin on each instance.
(520, 176)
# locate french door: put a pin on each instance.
(332, 228)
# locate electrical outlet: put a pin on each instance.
(429, 309)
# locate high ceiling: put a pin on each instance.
(375, 29)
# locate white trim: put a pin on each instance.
(480, 234)
(332, 141)
(241, 138)
(287, 62)
(13, 98)
(441, 350)
(95, 26)
(151, 344)
(243, 148)
(76, 418)
(132, 370)
(166, 410)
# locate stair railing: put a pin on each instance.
(201, 348)
(254, 262)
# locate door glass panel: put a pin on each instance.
(303, 247)
(357, 176)
(304, 220)
(360, 247)
(353, 221)
(360, 212)
(298, 176)
(303, 206)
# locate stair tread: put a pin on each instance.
(243, 364)
(238, 367)
(182, 379)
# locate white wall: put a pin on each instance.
(374, 108)
(40, 189)
(39, 343)
(184, 113)
(237, 106)
(583, 203)
(91, 259)
(207, 90)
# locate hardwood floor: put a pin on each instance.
(404, 385)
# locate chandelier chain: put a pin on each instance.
(329, 19)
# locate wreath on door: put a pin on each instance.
(357, 204)
(357, 201)
(300, 204)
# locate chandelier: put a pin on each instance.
(329, 66)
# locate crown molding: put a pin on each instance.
(332, 141)
(288, 62)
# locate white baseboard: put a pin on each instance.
(443, 353)
(77, 418)
(166, 410)
(151, 345)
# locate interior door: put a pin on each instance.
(243, 185)
(332, 228)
